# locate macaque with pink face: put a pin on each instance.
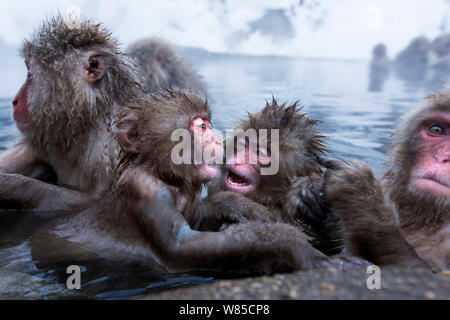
(405, 218)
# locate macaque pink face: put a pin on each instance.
(20, 103)
(244, 167)
(431, 174)
(93, 68)
(212, 147)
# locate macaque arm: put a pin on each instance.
(369, 227)
(23, 193)
(304, 202)
(225, 208)
(254, 247)
(304, 206)
(20, 159)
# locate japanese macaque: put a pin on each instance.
(141, 221)
(406, 218)
(76, 77)
(290, 194)
(379, 67)
(412, 62)
(440, 52)
(163, 67)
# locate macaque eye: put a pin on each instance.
(438, 130)
(200, 123)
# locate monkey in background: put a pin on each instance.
(77, 77)
(412, 62)
(440, 52)
(163, 67)
(405, 219)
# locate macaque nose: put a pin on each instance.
(15, 102)
(443, 156)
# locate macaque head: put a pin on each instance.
(285, 140)
(74, 74)
(171, 134)
(431, 172)
(420, 154)
(419, 44)
(157, 61)
(441, 45)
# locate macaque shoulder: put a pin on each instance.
(144, 184)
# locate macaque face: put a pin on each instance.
(211, 147)
(431, 174)
(244, 167)
(20, 103)
(93, 68)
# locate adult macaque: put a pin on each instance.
(412, 62)
(290, 195)
(407, 218)
(76, 78)
(141, 221)
(163, 67)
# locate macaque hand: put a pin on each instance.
(226, 208)
(345, 180)
(304, 200)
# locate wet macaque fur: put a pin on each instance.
(76, 78)
(412, 62)
(141, 221)
(163, 67)
(404, 219)
(291, 196)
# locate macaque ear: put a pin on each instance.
(95, 67)
(128, 135)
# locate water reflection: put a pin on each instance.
(357, 121)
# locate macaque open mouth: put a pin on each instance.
(241, 179)
(237, 180)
